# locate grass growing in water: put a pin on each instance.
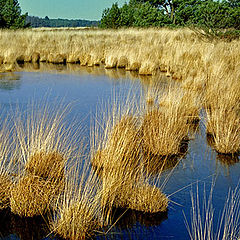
(203, 215)
(45, 146)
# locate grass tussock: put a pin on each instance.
(222, 114)
(224, 126)
(122, 146)
(49, 167)
(163, 132)
(31, 196)
(119, 155)
(78, 213)
(45, 147)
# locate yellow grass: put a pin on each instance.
(44, 148)
(165, 125)
(45, 143)
(222, 104)
(49, 167)
(5, 186)
(31, 196)
(182, 53)
(7, 161)
(78, 214)
(118, 155)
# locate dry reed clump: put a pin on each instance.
(130, 192)
(45, 146)
(222, 106)
(78, 213)
(77, 221)
(122, 146)
(5, 190)
(224, 126)
(48, 166)
(149, 199)
(31, 196)
(163, 132)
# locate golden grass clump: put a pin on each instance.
(49, 166)
(163, 132)
(147, 198)
(78, 213)
(5, 190)
(224, 126)
(31, 196)
(122, 146)
(77, 221)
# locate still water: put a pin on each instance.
(88, 88)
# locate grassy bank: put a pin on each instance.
(182, 53)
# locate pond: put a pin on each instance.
(87, 89)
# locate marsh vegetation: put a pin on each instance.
(136, 141)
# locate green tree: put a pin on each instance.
(110, 17)
(212, 15)
(126, 18)
(10, 14)
(147, 15)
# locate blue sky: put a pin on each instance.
(71, 9)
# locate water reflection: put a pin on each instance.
(227, 159)
(10, 81)
(127, 219)
(131, 224)
(15, 227)
(116, 73)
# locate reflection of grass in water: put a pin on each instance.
(203, 217)
(24, 228)
(9, 81)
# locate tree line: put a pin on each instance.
(47, 22)
(208, 14)
(11, 17)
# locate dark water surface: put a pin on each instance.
(87, 90)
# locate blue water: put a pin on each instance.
(86, 92)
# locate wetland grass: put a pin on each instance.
(182, 53)
(31, 196)
(7, 162)
(119, 157)
(165, 126)
(223, 120)
(45, 146)
(203, 217)
(78, 214)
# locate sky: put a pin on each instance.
(71, 9)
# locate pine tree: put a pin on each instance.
(10, 14)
